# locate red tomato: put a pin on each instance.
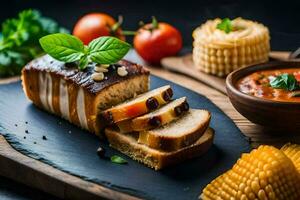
(153, 44)
(297, 76)
(94, 25)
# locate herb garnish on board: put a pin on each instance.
(68, 48)
(19, 40)
(118, 160)
(285, 81)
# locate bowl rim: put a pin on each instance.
(253, 68)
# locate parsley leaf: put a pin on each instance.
(225, 25)
(285, 81)
(19, 41)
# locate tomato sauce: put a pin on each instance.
(258, 84)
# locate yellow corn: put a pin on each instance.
(293, 152)
(219, 53)
(264, 173)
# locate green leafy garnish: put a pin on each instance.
(286, 82)
(63, 47)
(68, 48)
(19, 41)
(107, 50)
(225, 25)
(118, 160)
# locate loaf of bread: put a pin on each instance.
(63, 90)
(154, 129)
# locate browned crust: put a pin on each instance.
(167, 143)
(55, 96)
(82, 78)
(90, 110)
(73, 91)
(154, 158)
(31, 86)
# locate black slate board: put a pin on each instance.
(73, 150)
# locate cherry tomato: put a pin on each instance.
(94, 25)
(157, 40)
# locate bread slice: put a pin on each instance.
(159, 117)
(178, 134)
(140, 105)
(153, 158)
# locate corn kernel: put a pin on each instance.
(264, 173)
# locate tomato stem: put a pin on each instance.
(154, 23)
(141, 23)
(129, 33)
(117, 25)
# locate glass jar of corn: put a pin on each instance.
(221, 46)
(265, 173)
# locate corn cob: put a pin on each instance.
(293, 152)
(219, 53)
(265, 173)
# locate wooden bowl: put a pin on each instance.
(272, 114)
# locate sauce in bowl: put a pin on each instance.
(259, 84)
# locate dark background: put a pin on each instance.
(282, 18)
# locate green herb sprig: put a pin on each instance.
(225, 25)
(285, 81)
(118, 160)
(68, 48)
(19, 40)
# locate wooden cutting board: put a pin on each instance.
(185, 65)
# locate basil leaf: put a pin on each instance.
(118, 160)
(83, 62)
(63, 47)
(285, 81)
(225, 25)
(107, 50)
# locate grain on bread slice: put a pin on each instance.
(137, 106)
(154, 158)
(159, 117)
(179, 133)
